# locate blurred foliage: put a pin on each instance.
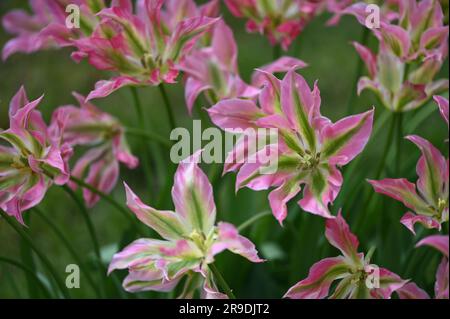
(292, 249)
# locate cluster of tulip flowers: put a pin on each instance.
(151, 43)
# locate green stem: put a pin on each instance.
(398, 148)
(387, 147)
(41, 256)
(141, 120)
(27, 258)
(90, 227)
(110, 200)
(221, 281)
(70, 249)
(30, 273)
(380, 169)
(276, 52)
(358, 73)
(87, 219)
(253, 220)
(148, 135)
(202, 114)
(214, 174)
(170, 114)
(138, 106)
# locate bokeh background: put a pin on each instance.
(292, 249)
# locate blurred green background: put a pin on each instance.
(292, 249)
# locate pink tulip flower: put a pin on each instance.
(410, 54)
(430, 201)
(88, 126)
(281, 21)
(47, 28)
(32, 161)
(145, 45)
(214, 70)
(310, 147)
(388, 10)
(412, 291)
(190, 239)
(358, 278)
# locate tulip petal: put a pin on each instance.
(439, 242)
(443, 106)
(279, 197)
(431, 169)
(412, 291)
(441, 286)
(320, 277)
(229, 238)
(403, 191)
(389, 283)
(224, 46)
(137, 281)
(409, 220)
(396, 38)
(283, 64)
(193, 88)
(134, 253)
(165, 223)
(193, 196)
(339, 235)
(368, 57)
(298, 106)
(345, 139)
(104, 88)
(234, 114)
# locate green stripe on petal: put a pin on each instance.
(15, 141)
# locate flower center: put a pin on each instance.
(441, 208)
(309, 161)
(199, 239)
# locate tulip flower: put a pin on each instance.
(410, 55)
(47, 28)
(88, 126)
(281, 21)
(388, 9)
(144, 46)
(358, 278)
(310, 147)
(430, 201)
(31, 161)
(214, 70)
(412, 291)
(190, 239)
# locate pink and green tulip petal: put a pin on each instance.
(442, 280)
(439, 242)
(279, 197)
(339, 235)
(345, 139)
(410, 219)
(403, 191)
(412, 291)
(193, 196)
(319, 280)
(166, 223)
(234, 114)
(389, 283)
(432, 169)
(298, 106)
(229, 238)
